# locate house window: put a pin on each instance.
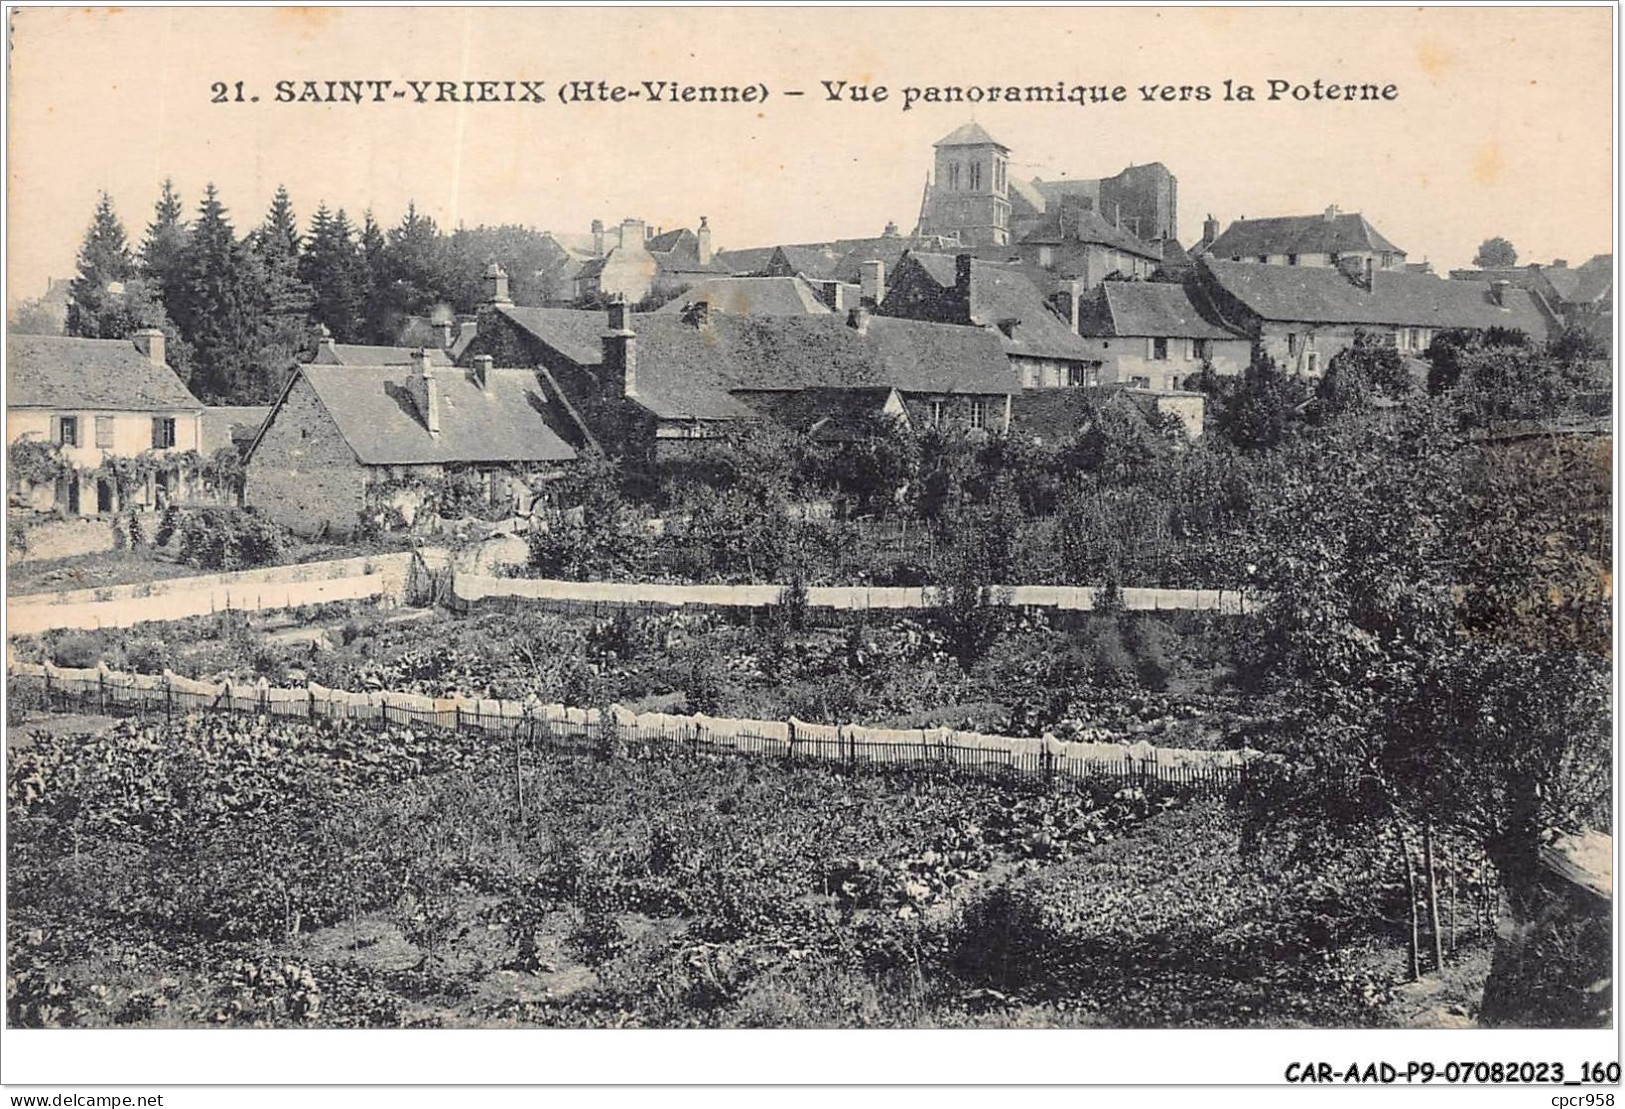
(1046, 256)
(1139, 382)
(67, 433)
(104, 432)
(1264, 258)
(1204, 349)
(163, 432)
(1292, 344)
(978, 413)
(936, 413)
(975, 176)
(1291, 259)
(1314, 362)
(1190, 350)
(1159, 349)
(953, 176)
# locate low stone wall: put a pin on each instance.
(84, 535)
(471, 587)
(121, 606)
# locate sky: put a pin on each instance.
(1501, 123)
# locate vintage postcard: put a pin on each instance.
(812, 518)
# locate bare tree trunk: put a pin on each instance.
(1410, 897)
(1433, 896)
(1450, 866)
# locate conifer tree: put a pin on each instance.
(105, 264)
(165, 240)
(220, 304)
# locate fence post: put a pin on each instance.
(790, 752)
(47, 671)
(101, 689)
(169, 700)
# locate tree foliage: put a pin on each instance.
(1495, 253)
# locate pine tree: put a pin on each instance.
(104, 259)
(375, 297)
(332, 267)
(277, 243)
(418, 269)
(165, 241)
(221, 306)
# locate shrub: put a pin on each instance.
(137, 534)
(230, 539)
(78, 651)
(121, 538)
(147, 656)
(1005, 940)
(168, 524)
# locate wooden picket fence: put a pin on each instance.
(567, 729)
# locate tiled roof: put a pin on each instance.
(686, 371)
(751, 296)
(969, 134)
(1172, 253)
(670, 240)
(816, 262)
(53, 371)
(576, 334)
(1083, 225)
(1596, 280)
(231, 425)
(1028, 193)
(1002, 292)
(1148, 309)
(375, 412)
(1346, 231)
(752, 260)
(353, 354)
(1322, 294)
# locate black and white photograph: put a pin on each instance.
(934, 520)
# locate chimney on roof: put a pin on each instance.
(632, 233)
(496, 284)
(1498, 292)
(1560, 264)
(621, 349)
(858, 319)
(704, 237)
(962, 275)
(1210, 229)
(443, 333)
(1332, 213)
(425, 391)
(891, 231)
(597, 238)
(150, 342)
(481, 372)
(874, 282)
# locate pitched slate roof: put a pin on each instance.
(1000, 292)
(686, 371)
(969, 134)
(1027, 193)
(1320, 294)
(748, 261)
(376, 415)
(54, 371)
(576, 334)
(751, 296)
(1596, 280)
(355, 354)
(1083, 225)
(231, 425)
(668, 241)
(1148, 309)
(816, 262)
(1173, 254)
(1346, 231)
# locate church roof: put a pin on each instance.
(970, 134)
